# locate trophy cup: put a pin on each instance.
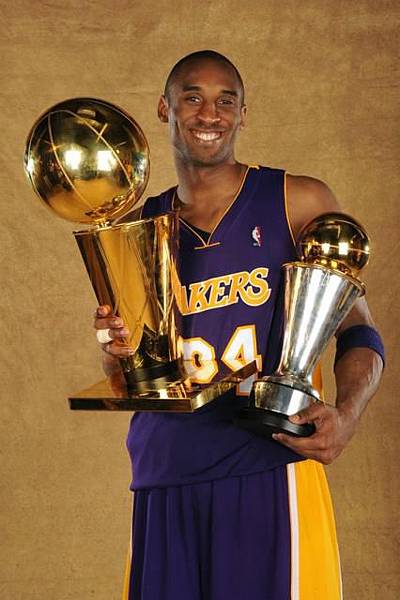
(88, 161)
(319, 291)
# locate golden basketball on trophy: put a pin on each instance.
(88, 161)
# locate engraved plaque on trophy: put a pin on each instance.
(319, 291)
(88, 161)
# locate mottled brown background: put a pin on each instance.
(321, 79)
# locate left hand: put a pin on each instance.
(333, 430)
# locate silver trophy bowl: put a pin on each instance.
(319, 292)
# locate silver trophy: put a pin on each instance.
(319, 292)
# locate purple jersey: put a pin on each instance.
(230, 305)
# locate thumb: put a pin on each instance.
(307, 415)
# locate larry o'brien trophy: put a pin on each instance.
(88, 161)
(319, 292)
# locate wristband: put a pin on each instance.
(359, 336)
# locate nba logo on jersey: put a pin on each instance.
(256, 235)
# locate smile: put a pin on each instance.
(206, 136)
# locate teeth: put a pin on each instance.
(207, 137)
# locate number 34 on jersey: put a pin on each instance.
(241, 349)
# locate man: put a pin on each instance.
(219, 512)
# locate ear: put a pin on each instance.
(243, 113)
(163, 109)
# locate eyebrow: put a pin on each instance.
(196, 88)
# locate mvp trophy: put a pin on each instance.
(88, 161)
(319, 291)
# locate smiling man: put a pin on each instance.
(206, 119)
(219, 512)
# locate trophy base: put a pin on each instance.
(273, 394)
(271, 404)
(180, 396)
(266, 422)
(155, 376)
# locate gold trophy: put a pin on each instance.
(319, 292)
(88, 160)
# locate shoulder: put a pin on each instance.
(268, 171)
(307, 198)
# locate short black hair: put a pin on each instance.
(198, 57)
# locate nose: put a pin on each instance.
(208, 114)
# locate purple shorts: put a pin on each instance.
(266, 536)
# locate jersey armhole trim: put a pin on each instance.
(285, 194)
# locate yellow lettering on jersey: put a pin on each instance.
(217, 291)
(198, 301)
(258, 281)
(179, 291)
(238, 282)
(252, 288)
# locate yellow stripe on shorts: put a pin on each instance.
(315, 560)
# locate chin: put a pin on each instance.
(205, 160)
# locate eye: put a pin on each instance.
(193, 99)
(227, 101)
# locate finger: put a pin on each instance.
(306, 446)
(288, 441)
(102, 311)
(108, 335)
(109, 322)
(117, 350)
(118, 333)
(310, 414)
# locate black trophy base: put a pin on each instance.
(266, 422)
(155, 375)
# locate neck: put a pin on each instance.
(204, 193)
(198, 184)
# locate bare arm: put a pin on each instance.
(307, 198)
(357, 377)
(357, 372)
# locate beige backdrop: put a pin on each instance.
(321, 79)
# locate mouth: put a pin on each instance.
(206, 137)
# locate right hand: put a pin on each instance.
(105, 319)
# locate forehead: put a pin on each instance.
(207, 74)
